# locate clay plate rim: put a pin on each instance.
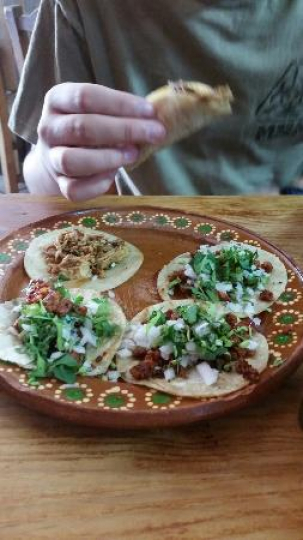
(134, 419)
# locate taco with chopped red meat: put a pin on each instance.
(53, 333)
(189, 349)
(246, 279)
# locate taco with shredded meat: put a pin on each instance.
(194, 350)
(246, 279)
(84, 258)
(52, 333)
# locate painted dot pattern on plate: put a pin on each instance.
(18, 245)
(116, 398)
(63, 224)
(38, 232)
(112, 219)
(161, 220)
(282, 339)
(288, 317)
(160, 400)
(290, 297)
(5, 258)
(181, 223)
(137, 218)
(254, 243)
(81, 393)
(205, 229)
(227, 235)
(89, 222)
(284, 327)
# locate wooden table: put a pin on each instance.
(238, 478)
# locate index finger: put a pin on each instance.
(86, 98)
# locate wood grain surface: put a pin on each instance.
(237, 478)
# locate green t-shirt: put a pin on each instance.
(138, 45)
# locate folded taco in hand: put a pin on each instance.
(247, 279)
(55, 334)
(84, 258)
(189, 349)
(184, 107)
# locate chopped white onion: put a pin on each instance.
(88, 324)
(191, 347)
(146, 337)
(166, 350)
(249, 310)
(201, 329)
(88, 337)
(184, 361)
(256, 321)
(178, 324)
(169, 374)
(113, 376)
(111, 294)
(208, 374)
(250, 291)
(252, 345)
(154, 334)
(127, 343)
(189, 272)
(28, 327)
(56, 355)
(92, 307)
(125, 353)
(234, 308)
(259, 272)
(79, 349)
(223, 287)
(66, 332)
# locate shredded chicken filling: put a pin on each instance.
(74, 250)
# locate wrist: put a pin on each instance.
(38, 175)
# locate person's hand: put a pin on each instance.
(87, 132)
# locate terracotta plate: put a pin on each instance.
(161, 235)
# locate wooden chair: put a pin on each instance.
(19, 26)
(7, 152)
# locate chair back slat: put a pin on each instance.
(19, 27)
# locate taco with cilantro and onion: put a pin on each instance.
(246, 279)
(84, 258)
(189, 349)
(53, 333)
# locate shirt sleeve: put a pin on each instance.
(57, 53)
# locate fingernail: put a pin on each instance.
(129, 156)
(156, 133)
(144, 108)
